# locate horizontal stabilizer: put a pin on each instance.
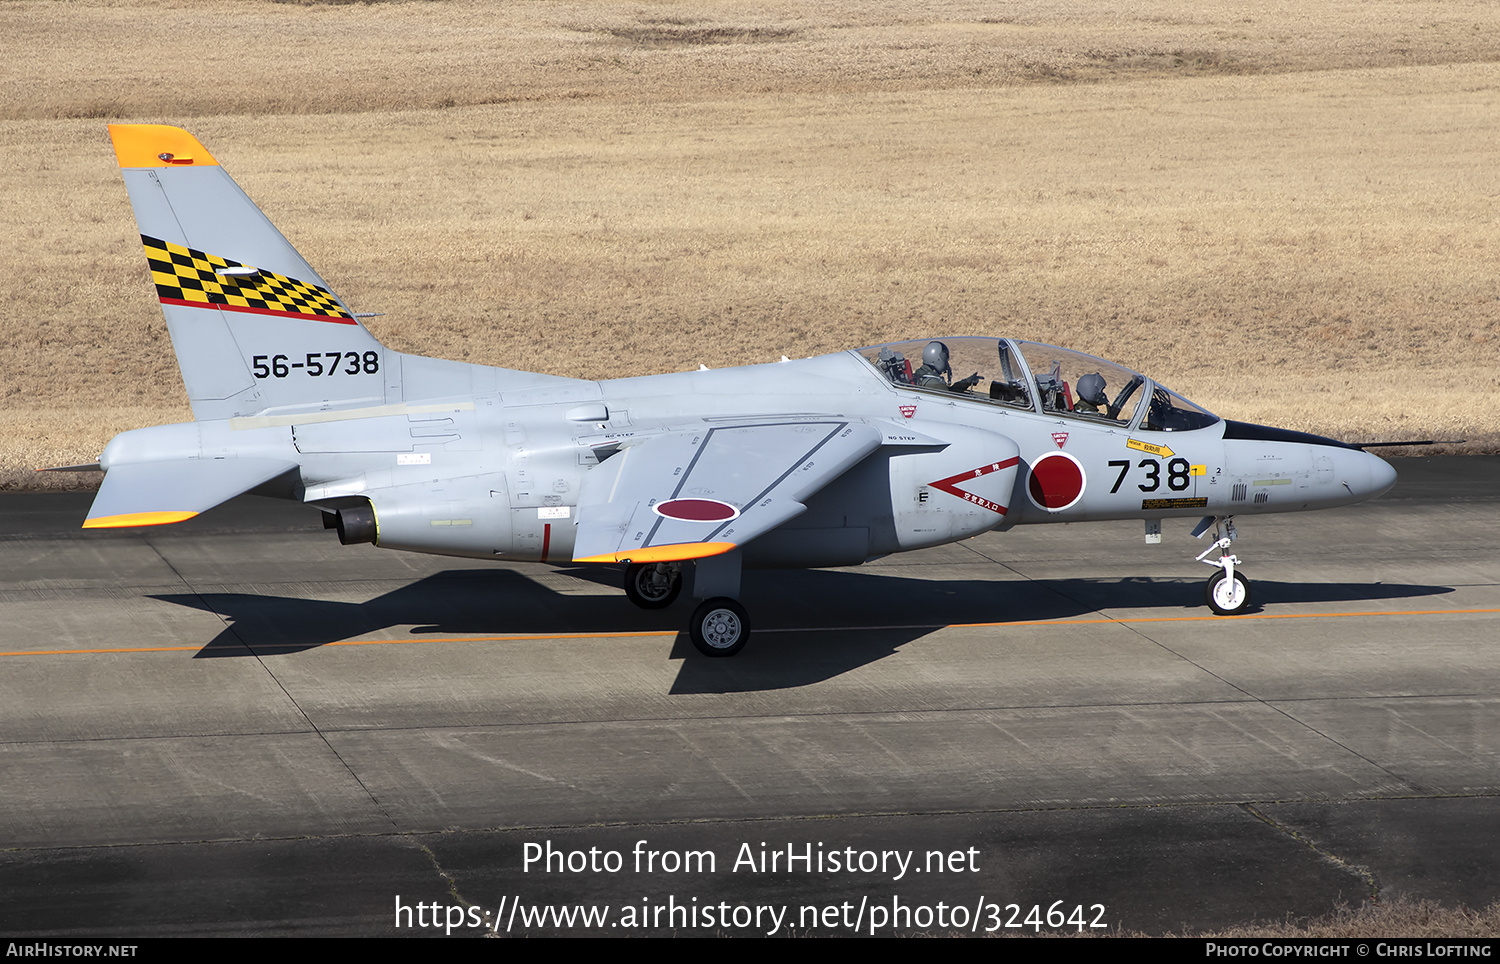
(158, 493)
(86, 467)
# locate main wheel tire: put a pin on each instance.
(646, 590)
(720, 627)
(1226, 597)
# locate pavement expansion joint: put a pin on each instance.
(1372, 883)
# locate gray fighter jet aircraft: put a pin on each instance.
(828, 461)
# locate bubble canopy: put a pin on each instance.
(1033, 377)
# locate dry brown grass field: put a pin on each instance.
(1399, 918)
(1287, 210)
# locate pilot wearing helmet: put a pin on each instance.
(935, 371)
(1091, 397)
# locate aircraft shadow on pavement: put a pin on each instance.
(810, 625)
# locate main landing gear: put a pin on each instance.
(653, 585)
(720, 626)
(1228, 591)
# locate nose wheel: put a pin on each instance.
(1228, 591)
(1227, 594)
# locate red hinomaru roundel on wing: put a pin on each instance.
(696, 510)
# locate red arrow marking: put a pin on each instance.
(950, 484)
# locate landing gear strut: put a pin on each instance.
(653, 585)
(1228, 591)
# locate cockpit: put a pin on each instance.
(1032, 377)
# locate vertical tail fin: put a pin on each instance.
(255, 328)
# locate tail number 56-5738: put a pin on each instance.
(316, 363)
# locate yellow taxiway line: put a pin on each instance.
(522, 637)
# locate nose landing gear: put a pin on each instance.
(1228, 591)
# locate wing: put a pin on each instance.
(693, 494)
(160, 493)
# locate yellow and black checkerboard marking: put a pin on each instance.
(185, 276)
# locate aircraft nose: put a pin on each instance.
(1363, 476)
(1382, 475)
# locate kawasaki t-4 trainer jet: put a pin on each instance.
(828, 461)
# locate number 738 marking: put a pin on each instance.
(1179, 474)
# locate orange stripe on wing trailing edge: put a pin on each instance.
(157, 145)
(676, 552)
(137, 519)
